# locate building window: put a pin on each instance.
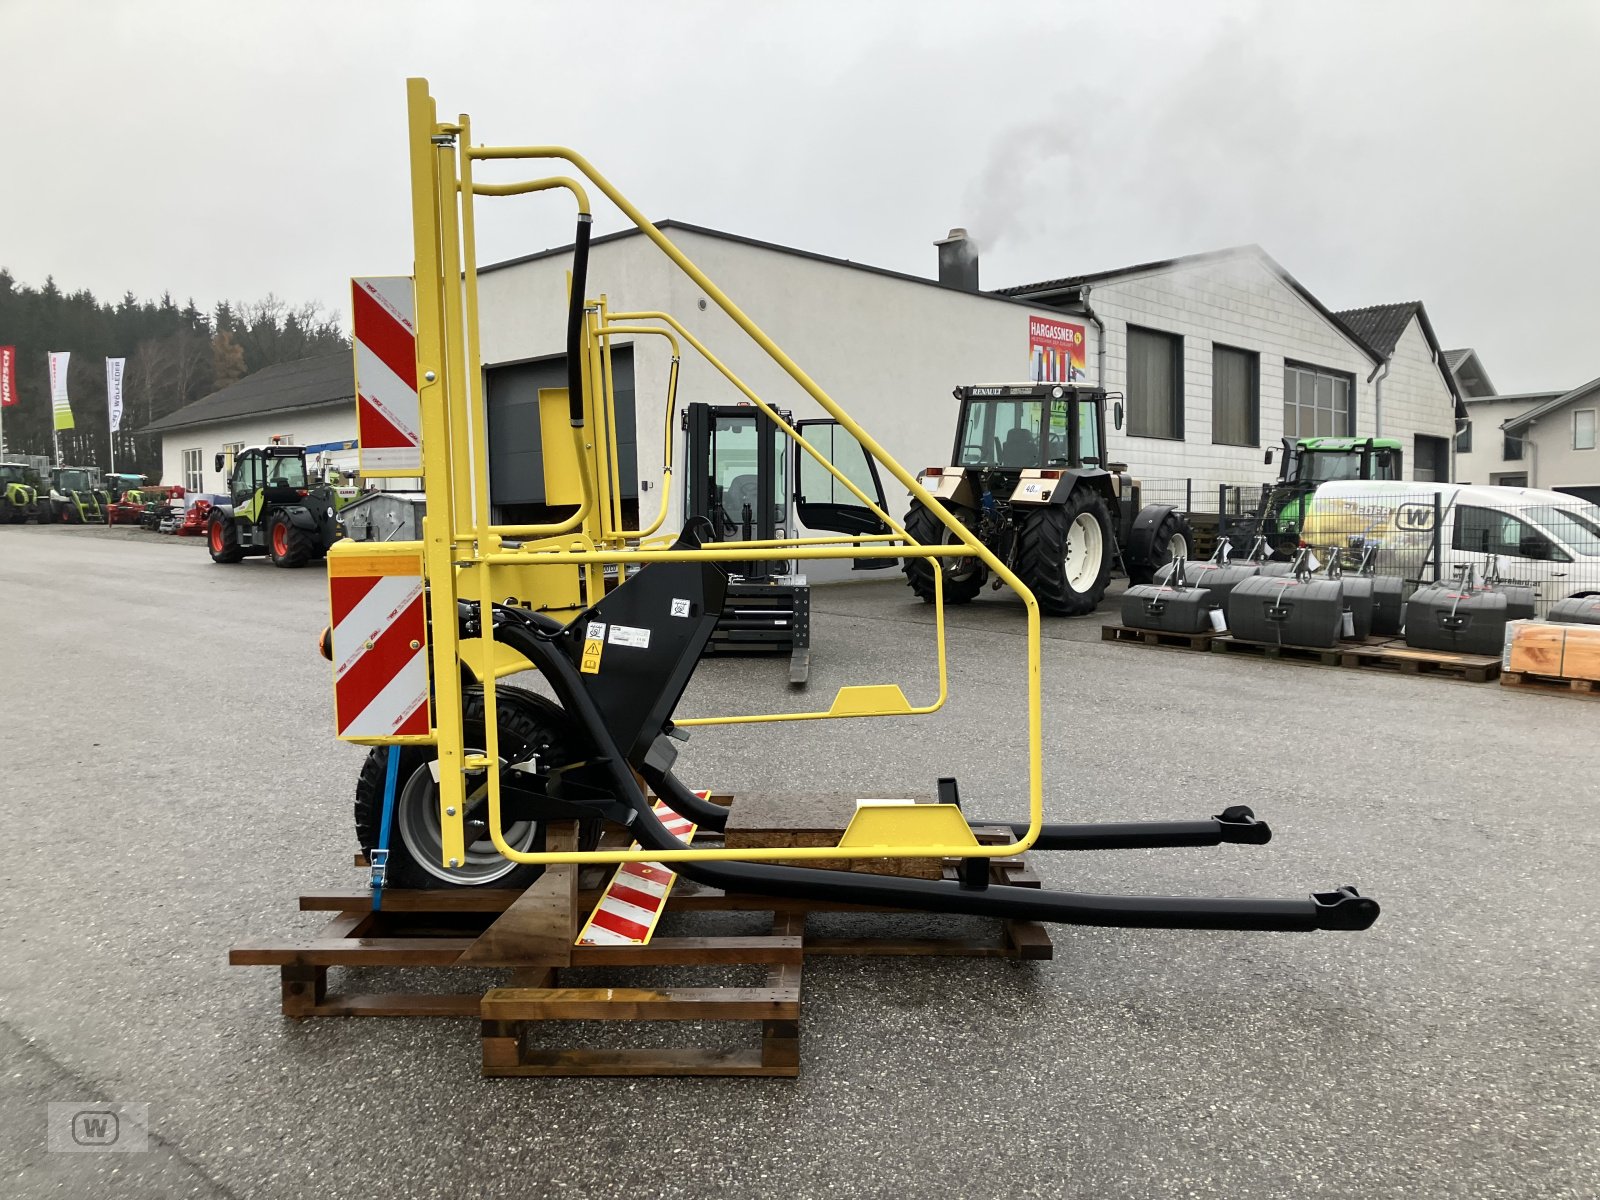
(1433, 459)
(1235, 396)
(193, 477)
(1464, 438)
(1317, 402)
(1155, 384)
(230, 452)
(1583, 429)
(1512, 451)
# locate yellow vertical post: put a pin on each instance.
(457, 388)
(609, 399)
(433, 393)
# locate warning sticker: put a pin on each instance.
(597, 629)
(590, 665)
(630, 635)
(680, 608)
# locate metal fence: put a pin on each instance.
(1423, 536)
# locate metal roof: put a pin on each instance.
(311, 382)
(1512, 424)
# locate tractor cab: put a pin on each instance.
(1279, 512)
(76, 496)
(119, 483)
(19, 493)
(277, 473)
(1005, 429)
(1315, 460)
(744, 482)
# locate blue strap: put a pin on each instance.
(380, 852)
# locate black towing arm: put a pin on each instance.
(644, 704)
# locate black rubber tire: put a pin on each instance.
(222, 539)
(298, 545)
(1174, 525)
(928, 530)
(527, 721)
(1041, 557)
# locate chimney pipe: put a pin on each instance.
(958, 261)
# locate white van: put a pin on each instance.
(1548, 540)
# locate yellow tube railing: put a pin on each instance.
(442, 534)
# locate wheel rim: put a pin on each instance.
(1177, 547)
(280, 539)
(1085, 546)
(956, 570)
(417, 818)
(216, 537)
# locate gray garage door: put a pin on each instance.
(516, 463)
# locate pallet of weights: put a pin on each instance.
(1522, 600)
(1298, 609)
(1358, 599)
(1388, 593)
(1174, 606)
(1220, 575)
(1575, 610)
(1460, 616)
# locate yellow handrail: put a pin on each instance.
(438, 245)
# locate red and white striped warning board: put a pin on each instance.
(630, 907)
(380, 653)
(388, 416)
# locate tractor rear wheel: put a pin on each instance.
(287, 544)
(222, 539)
(1065, 554)
(963, 577)
(1174, 538)
(526, 722)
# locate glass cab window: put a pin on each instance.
(288, 471)
(246, 475)
(1002, 433)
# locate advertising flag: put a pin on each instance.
(58, 389)
(114, 391)
(8, 376)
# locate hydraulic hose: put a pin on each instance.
(580, 284)
(1342, 909)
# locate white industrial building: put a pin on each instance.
(1218, 355)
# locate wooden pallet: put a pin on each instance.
(1156, 637)
(531, 933)
(1474, 668)
(1327, 656)
(1554, 685)
(511, 1015)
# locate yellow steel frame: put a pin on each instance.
(461, 547)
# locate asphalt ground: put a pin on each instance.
(171, 783)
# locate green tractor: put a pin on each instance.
(274, 508)
(77, 496)
(1032, 483)
(19, 495)
(1280, 511)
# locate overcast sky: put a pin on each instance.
(1381, 152)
